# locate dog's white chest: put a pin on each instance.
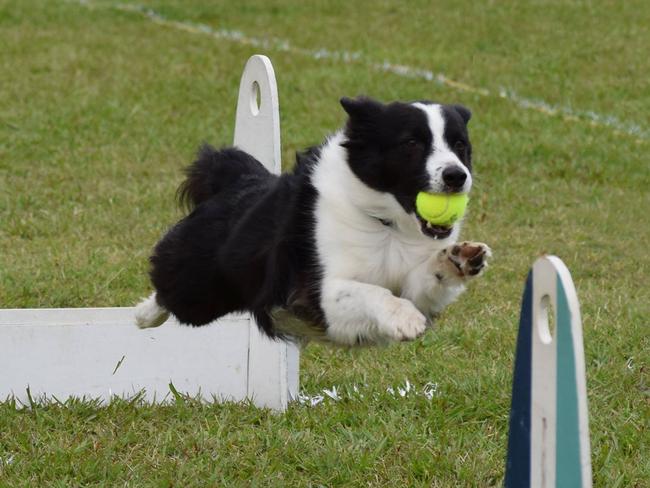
(368, 252)
(392, 260)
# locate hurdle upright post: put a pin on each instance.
(548, 444)
(272, 365)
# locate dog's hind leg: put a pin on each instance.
(149, 313)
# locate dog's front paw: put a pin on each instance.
(399, 320)
(466, 259)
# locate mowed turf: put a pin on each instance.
(100, 109)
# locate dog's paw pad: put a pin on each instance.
(468, 258)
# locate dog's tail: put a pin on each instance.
(149, 313)
(213, 171)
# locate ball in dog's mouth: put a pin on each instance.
(434, 231)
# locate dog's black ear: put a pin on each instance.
(360, 107)
(464, 112)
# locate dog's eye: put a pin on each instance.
(410, 142)
(460, 146)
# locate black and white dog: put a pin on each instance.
(333, 250)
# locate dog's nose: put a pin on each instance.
(454, 177)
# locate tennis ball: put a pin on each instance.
(441, 208)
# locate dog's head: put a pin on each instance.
(405, 148)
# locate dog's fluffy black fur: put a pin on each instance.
(247, 245)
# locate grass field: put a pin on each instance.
(102, 104)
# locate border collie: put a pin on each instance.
(334, 250)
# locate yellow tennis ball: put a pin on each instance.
(441, 208)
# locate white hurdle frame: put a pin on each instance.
(99, 352)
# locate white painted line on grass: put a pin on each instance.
(566, 112)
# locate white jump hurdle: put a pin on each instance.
(99, 352)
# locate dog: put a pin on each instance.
(333, 250)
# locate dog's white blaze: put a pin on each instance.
(442, 156)
(363, 261)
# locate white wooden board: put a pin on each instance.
(98, 353)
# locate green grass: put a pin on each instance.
(101, 108)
